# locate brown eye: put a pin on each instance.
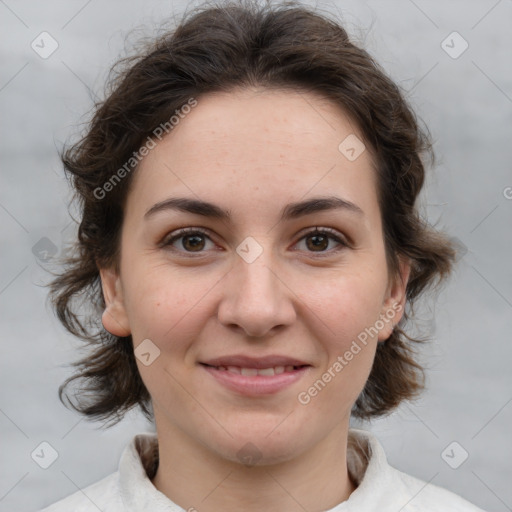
(320, 242)
(193, 242)
(187, 240)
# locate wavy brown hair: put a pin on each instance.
(221, 47)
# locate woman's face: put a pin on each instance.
(252, 323)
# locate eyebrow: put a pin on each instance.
(289, 212)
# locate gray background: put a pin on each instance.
(467, 103)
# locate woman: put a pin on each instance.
(250, 241)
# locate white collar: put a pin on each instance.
(378, 483)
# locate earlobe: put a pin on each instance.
(114, 318)
(394, 305)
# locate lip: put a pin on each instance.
(259, 363)
(257, 385)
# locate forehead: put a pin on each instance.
(261, 147)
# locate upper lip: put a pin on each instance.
(259, 363)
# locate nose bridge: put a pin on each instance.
(255, 298)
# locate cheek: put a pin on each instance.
(171, 309)
(346, 304)
(349, 309)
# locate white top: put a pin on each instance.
(380, 487)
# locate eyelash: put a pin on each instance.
(185, 232)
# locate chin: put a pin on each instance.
(259, 453)
(259, 443)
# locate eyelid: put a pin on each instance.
(182, 232)
(334, 233)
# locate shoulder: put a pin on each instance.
(387, 489)
(425, 496)
(103, 495)
(129, 486)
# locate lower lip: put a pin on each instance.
(258, 384)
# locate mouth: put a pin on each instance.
(255, 376)
(252, 372)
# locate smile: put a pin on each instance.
(253, 382)
(251, 372)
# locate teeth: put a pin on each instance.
(252, 372)
(249, 372)
(266, 371)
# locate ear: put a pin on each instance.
(114, 318)
(394, 304)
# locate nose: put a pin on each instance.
(256, 299)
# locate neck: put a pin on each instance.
(197, 479)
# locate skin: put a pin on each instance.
(252, 152)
